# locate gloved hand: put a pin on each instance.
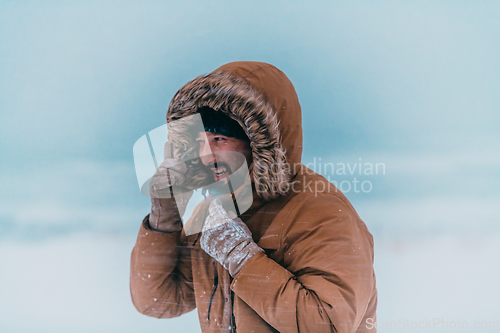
(166, 211)
(227, 240)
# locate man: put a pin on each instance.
(298, 260)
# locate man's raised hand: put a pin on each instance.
(169, 197)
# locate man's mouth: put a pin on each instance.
(220, 172)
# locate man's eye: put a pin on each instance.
(219, 138)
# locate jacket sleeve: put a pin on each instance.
(328, 281)
(161, 282)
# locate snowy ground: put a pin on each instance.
(439, 279)
(64, 262)
(74, 284)
(79, 283)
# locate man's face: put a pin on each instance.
(217, 152)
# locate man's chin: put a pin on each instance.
(219, 187)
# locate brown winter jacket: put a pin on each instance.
(316, 274)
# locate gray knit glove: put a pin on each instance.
(166, 211)
(227, 240)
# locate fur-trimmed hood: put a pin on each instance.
(263, 101)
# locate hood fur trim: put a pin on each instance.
(235, 97)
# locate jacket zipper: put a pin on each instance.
(214, 288)
(233, 320)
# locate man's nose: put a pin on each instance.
(206, 154)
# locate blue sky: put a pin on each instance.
(413, 85)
